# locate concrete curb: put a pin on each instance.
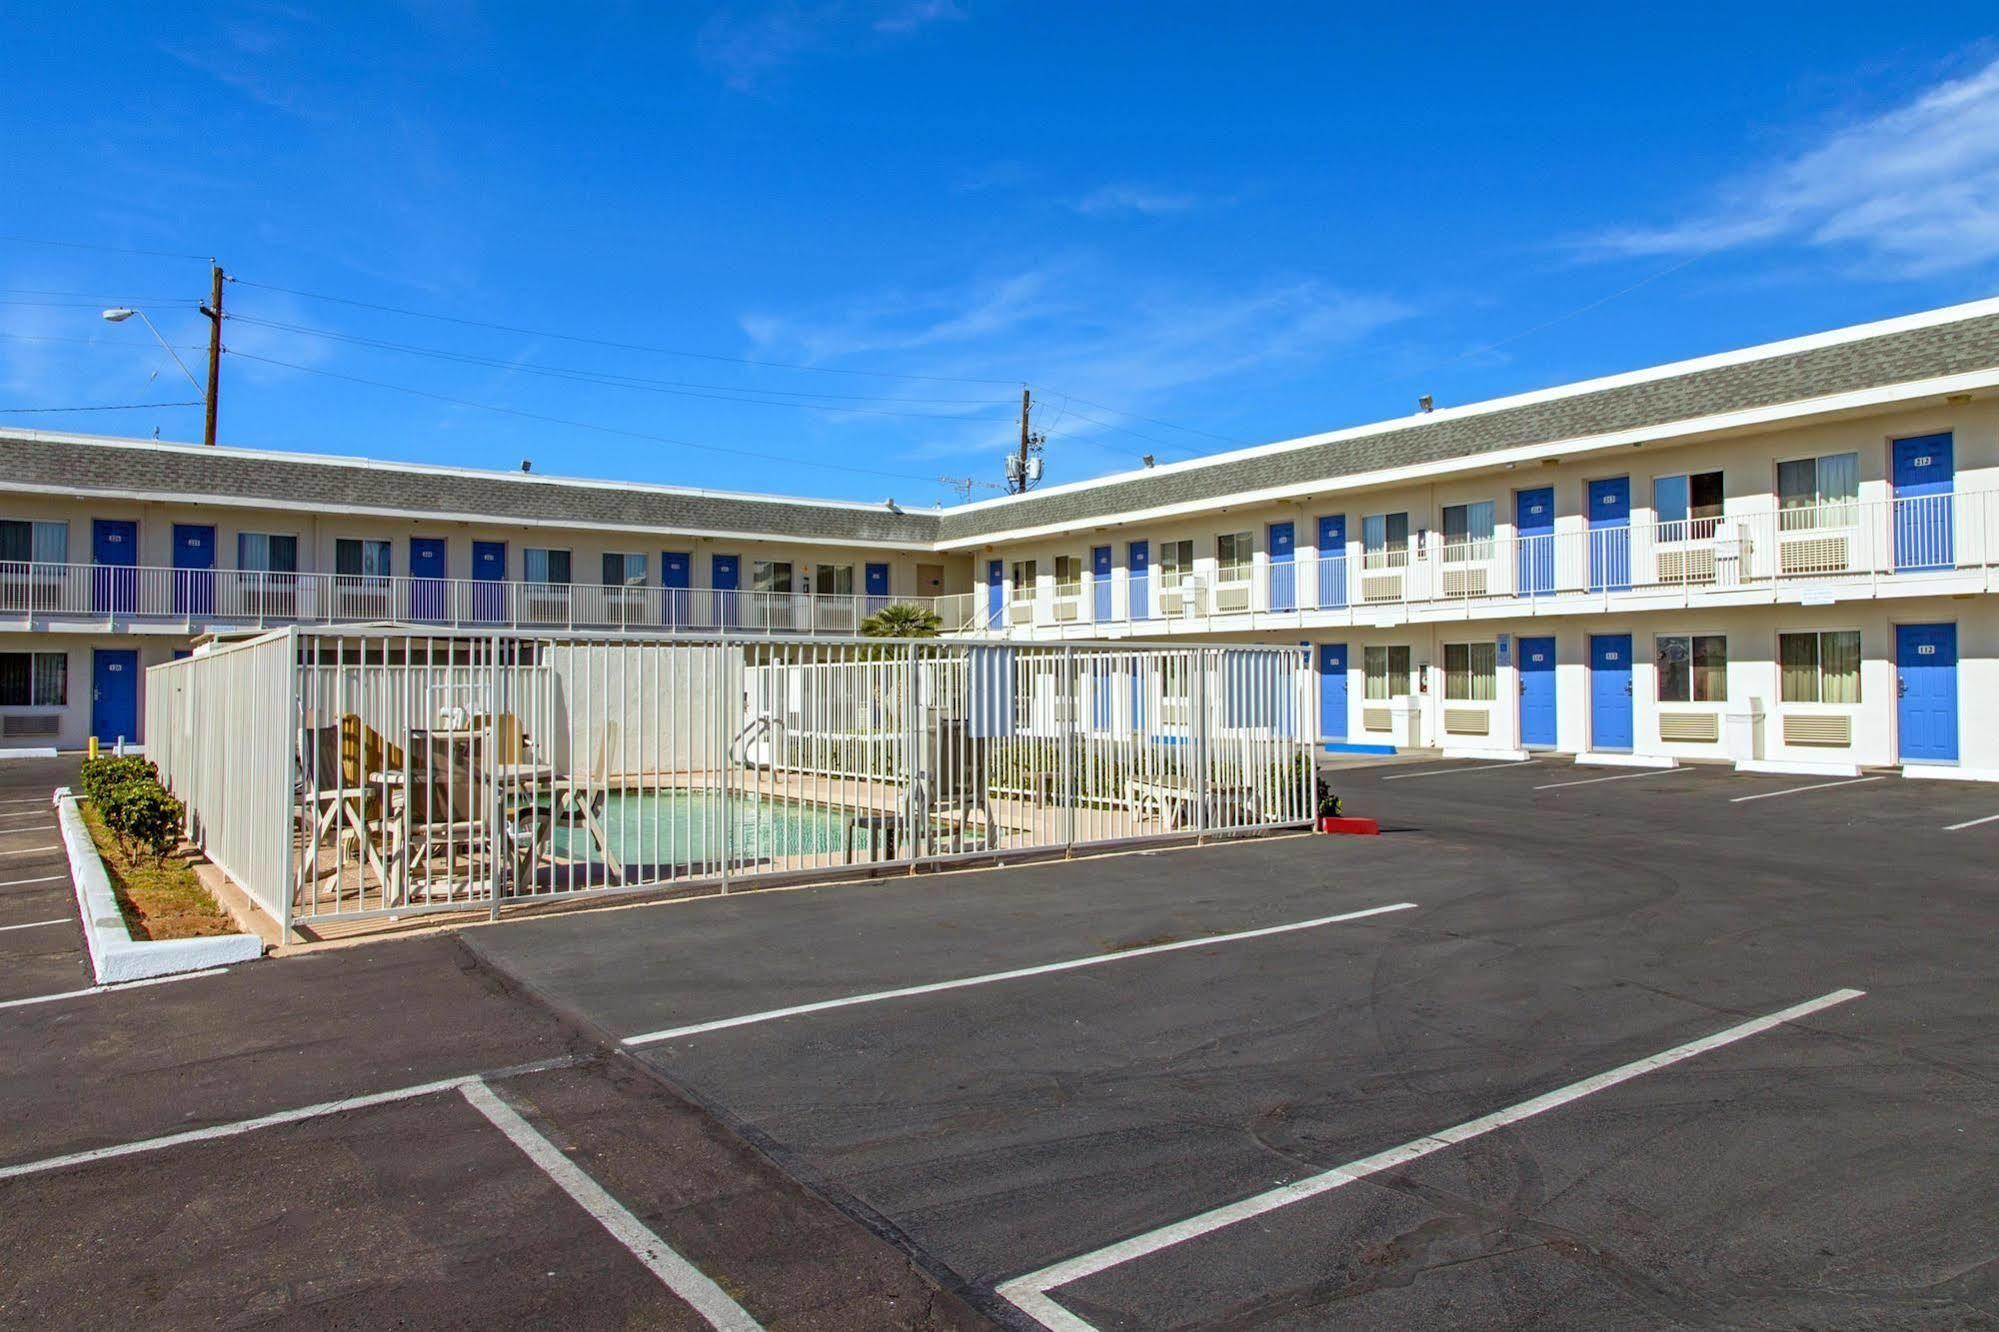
(114, 954)
(44, 752)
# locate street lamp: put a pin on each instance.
(118, 314)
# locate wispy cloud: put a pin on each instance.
(1915, 188)
(749, 44)
(918, 14)
(1140, 345)
(1125, 197)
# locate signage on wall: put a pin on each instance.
(1505, 650)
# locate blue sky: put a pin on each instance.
(871, 222)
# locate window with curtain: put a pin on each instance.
(1692, 668)
(833, 580)
(1688, 507)
(23, 542)
(266, 552)
(1820, 667)
(1818, 492)
(1384, 540)
(1468, 531)
(1385, 671)
(1235, 553)
(770, 576)
(623, 570)
(34, 679)
(1026, 574)
(1068, 575)
(545, 566)
(1176, 562)
(353, 558)
(1471, 672)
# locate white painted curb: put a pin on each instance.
(45, 751)
(1938, 772)
(1798, 768)
(1589, 759)
(114, 954)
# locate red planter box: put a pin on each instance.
(1359, 827)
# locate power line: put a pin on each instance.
(621, 346)
(579, 425)
(1150, 420)
(107, 407)
(105, 249)
(677, 388)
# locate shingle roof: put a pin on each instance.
(331, 483)
(1871, 362)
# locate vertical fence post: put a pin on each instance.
(1200, 661)
(719, 690)
(916, 794)
(296, 724)
(501, 855)
(1067, 733)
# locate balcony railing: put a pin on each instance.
(1847, 545)
(222, 598)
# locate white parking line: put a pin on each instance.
(1971, 823)
(1030, 1293)
(35, 924)
(44, 801)
(108, 989)
(303, 1112)
(1620, 777)
(25, 814)
(1800, 790)
(22, 883)
(936, 987)
(675, 1273)
(32, 850)
(1446, 772)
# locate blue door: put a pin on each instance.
(1333, 560)
(428, 570)
(114, 694)
(114, 548)
(995, 593)
(1537, 693)
(876, 576)
(1610, 534)
(1332, 691)
(1610, 691)
(1926, 682)
(194, 569)
(1283, 570)
(489, 572)
(1534, 533)
(1925, 472)
(725, 575)
(676, 572)
(1100, 583)
(1138, 579)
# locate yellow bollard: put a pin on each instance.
(93, 746)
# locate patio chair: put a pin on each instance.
(447, 808)
(566, 797)
(347, 773)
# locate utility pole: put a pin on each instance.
(1024, 470)
(214, 312)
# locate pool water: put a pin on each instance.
(685, 827)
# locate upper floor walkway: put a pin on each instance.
(1944, 544)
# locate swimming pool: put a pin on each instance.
(685, 827)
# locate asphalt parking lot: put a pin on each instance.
(1636, 1052)
(41, 941)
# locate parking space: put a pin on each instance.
(41, 940)
(1037, 1116)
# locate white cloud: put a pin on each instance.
(1139, 345)
(920, 13)
(1915, 188)
(1124, 197)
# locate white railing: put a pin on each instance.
(1849, 545)
(236, 597)
(404, 772)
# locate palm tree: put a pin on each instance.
(900, 619)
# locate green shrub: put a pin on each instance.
(142, 816)
(101, 774)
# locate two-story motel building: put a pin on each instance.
(1784, 557)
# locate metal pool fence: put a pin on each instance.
(343, 775)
